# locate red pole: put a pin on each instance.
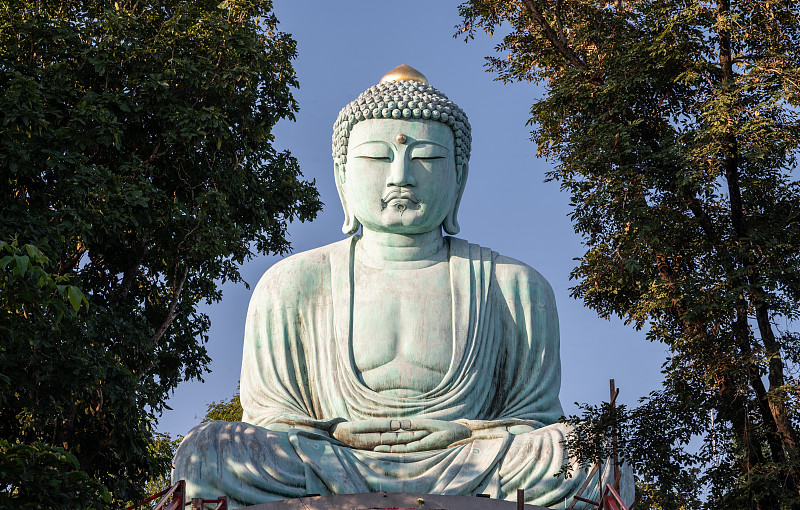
(615, 460)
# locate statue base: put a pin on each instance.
(392, 500)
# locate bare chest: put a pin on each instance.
(402, 328)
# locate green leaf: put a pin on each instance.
(75, 297)
(22, 264)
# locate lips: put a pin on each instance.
(398, 192)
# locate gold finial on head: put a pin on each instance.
(404, 72)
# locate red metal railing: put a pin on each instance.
(609, 501)
(174, 498)
(178, 493)
(199, 503)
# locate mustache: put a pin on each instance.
(400, 192)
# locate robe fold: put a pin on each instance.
(299, 378)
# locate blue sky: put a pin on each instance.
(343, 49)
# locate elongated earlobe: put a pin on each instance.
(451, 221)
(351, 224)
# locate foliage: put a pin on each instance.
(655, 440)
(136, 171)
(37, 476)
(162, 447)
(674, 128)
(226, 410)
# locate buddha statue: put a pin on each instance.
(398, 359)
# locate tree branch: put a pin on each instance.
(778, 425)
(702, 216)
(129, 275)
(177, 287)
(560, 22)
(775, 374)
(553, 37)
(69, 264)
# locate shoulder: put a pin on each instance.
(513, 278)
(522, 280)
(300, 275)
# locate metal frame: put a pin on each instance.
(174, 498)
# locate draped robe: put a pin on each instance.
(299, 379)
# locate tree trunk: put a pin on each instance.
(780, 431)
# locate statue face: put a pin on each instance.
(400, 175)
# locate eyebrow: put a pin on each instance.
(372, 141)
(415, 142)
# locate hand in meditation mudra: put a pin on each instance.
(396, 360)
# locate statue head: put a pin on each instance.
(401, 157)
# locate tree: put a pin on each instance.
(34, 474)
(674, 127)
(47, 477)
(162, 446)
(226, 410)
(137, 165)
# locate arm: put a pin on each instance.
(531, 380)
(276, 392)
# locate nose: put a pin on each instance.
(400, 174)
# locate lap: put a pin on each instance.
(253, 464)
(246, 462)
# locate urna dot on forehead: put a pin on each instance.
(403, 93)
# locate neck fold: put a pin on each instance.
(382, 249)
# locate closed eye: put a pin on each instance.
(428, 157)
(385, 159)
